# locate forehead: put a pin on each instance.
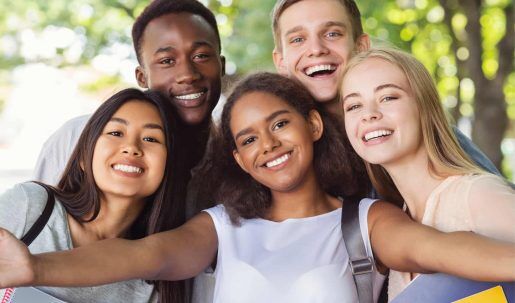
(138, 110)
(312, 14)
(256, 106)
(178, 28)
(376, 71)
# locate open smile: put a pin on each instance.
(190, 99)
(278, 161)
(320, 70)
(373, 135)
(130, 169)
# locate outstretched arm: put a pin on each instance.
(173, 255)
(404, 245)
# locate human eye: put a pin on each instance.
(388, 98)
(352, 107)
(151, 139)
(115, 133)
(333, 34)
(280, 124)
(201, 57)
(167, 61)
(248, 141)
(296, 40)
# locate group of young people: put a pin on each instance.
(290, 150)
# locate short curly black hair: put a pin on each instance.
(158, 8)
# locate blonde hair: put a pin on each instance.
(446, 157)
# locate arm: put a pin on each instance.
(405, 245)
(172, 255)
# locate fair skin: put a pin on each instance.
(128, 165)
(180, 57)
(316, 44)
(383, 125)
(184, 252)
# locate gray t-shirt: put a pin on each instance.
(19, 209)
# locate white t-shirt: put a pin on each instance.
(296, 260)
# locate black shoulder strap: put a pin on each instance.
(360, 263)
(43, 219)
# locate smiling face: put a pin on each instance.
(129, 157)
(274, 143)
(382, 120)
(180, 58)
(316, 43)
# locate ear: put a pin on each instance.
(363, 43)
(141, 77)
(222, 60)
(316, 124)
(237, 157)
(279, 62)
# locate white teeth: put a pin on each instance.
(313, 69)
(278, 161)
(376, 134)
(127, 168)
(190, 96)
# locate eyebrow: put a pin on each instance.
(147, 125)
(327, 24)
(196, 44)
(267, 119)
(380, 87)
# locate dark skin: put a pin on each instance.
(180, 57)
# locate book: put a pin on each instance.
(26, 295)
(443, 288)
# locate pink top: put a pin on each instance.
(481, 203)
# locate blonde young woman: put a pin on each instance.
(396, 123)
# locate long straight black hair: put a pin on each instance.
(164, 209)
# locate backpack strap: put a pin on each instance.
(360, 263)
(43, 219)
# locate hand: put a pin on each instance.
(17, 265)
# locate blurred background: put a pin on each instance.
(61, 58)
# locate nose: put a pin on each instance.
(317, 47)
(132, 148)
(269, 142)
(371, 113)
(187, 72)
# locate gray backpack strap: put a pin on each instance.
(359, 262)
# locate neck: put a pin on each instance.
(414, 181)
(115, 218)
(306, 200)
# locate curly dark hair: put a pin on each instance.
(338, 168)
(158, 8)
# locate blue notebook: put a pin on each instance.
(442, 288)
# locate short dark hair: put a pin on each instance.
(158, 8)
(350, 5)
(338, 168)
(163, 210)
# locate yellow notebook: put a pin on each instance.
(492, 295)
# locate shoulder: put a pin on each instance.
(473, 186)
(20, 205)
